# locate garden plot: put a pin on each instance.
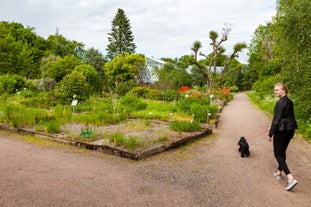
(134, 139)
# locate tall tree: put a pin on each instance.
(293, 39)
(60, 46)
(20, 50)
(280, 51)
(213, 78)
(121, 39)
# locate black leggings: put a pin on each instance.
(280, 144)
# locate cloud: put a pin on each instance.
(162, 28)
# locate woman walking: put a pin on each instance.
(282, 130)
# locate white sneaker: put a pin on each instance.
(279, 177)
(291, 184)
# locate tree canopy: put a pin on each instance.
(124, 68)
(280, 51)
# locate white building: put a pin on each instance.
(151, 64)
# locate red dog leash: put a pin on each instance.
(257, 135)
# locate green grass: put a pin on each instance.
(131, 143)
(184, 126)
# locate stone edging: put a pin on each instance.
(114, 150)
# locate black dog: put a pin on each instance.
(244, 147)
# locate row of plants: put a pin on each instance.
(39, 111)
(99, 110)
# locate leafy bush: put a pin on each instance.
(11, 83)
(123, 87)
(171, 95)
(91, 76)
(184, 104)
(234, 89)
(201, 112)
(73, 84)
(184, 126)
(47, 84)
(154, 94)
(141, 92)
(53, 126)
(265, 86)
(38, 100)
(131, 103)
(87, 133)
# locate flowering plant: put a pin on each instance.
(183, 89)
(225, 91)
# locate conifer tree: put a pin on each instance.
(121, 39)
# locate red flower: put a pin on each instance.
(225, 91)
(183, 89)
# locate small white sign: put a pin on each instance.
(74, 102)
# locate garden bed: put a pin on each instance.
(149, 137)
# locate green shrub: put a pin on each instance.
(39, 100)
(184, 104)
(141, 92)
(131, 103)
(265, 103)
(162, 139)
(62, 113)
(265, 86)
(117, 138)
(91, 76)
(131, 143)
(201, 112)
(87, 133)
(73, 84)
(154, 94)
(171, 95)
(234, 89)
(123, 87)
(184, 126)
(11, 83)
(47, 84)
(53, 126)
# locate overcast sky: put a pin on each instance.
(161, 28)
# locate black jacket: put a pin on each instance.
(284, 118)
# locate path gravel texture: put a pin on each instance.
(207, 172)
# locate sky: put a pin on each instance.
(161, 28)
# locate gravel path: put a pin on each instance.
(207, 172)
